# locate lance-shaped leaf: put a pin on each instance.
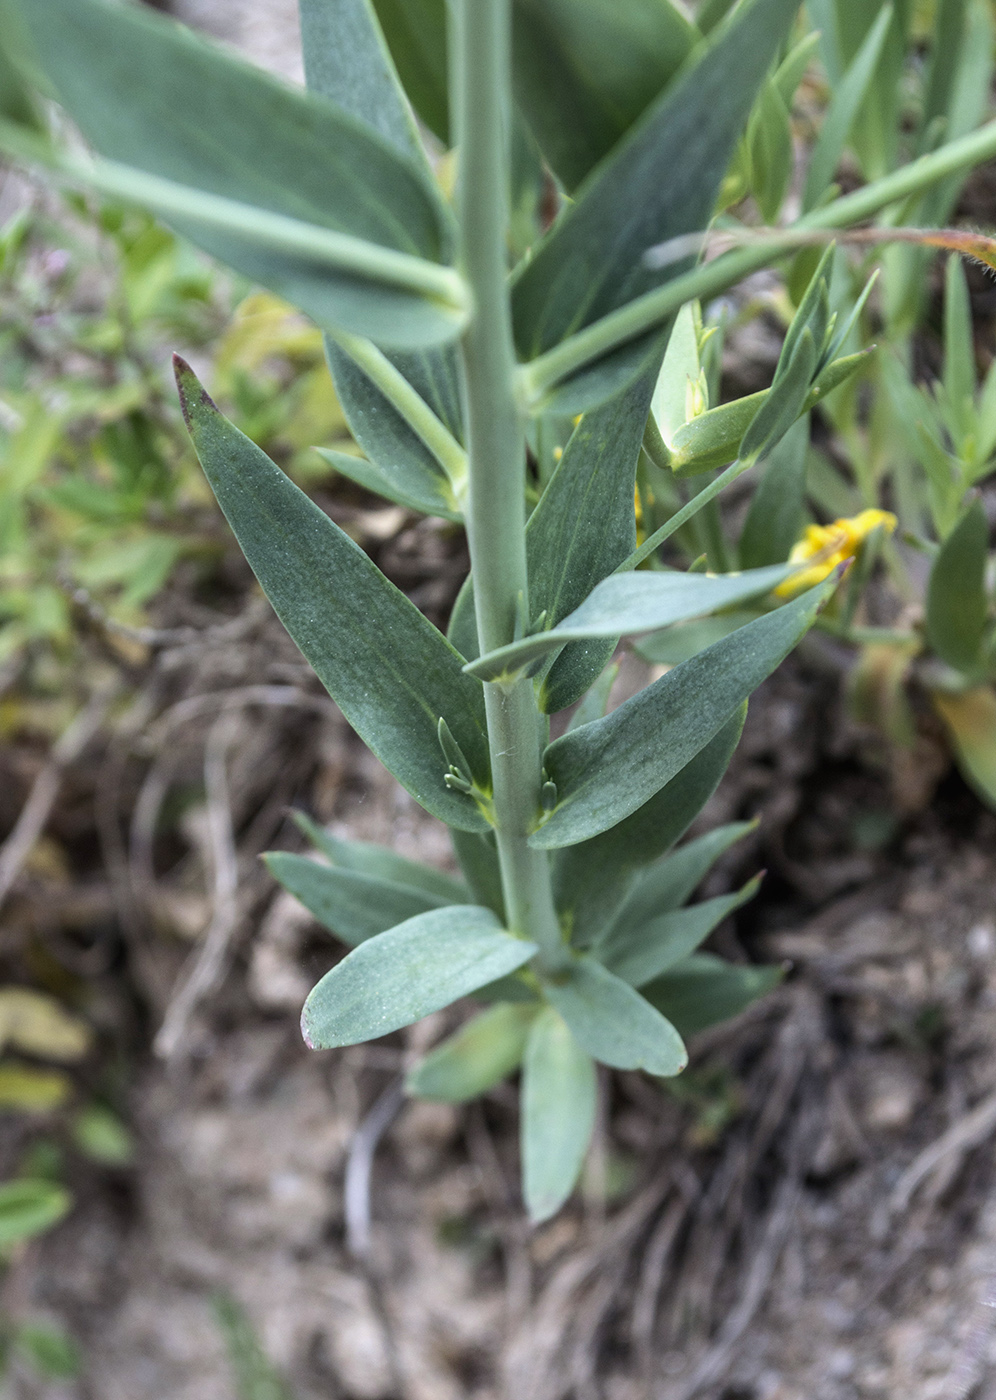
(608, 769)
(613, 1022)
(150, 95)
(970, 719)
(625, 604)
(380, 862)
(559, 1097)
(584, 527)
(704, 990)
(409, 972)
(956, 595)
(640, 954)
(774, 520)
(584, 73)
(660, 182)
(477, 1057)
(386, 667)
(354, 907)
(667, 883)
(347, 60)
(408, 470)
(590, 879)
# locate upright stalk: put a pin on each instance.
(496, 459)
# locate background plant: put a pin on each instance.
(328, 200)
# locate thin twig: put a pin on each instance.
(209, 959)
(357, 1211)
(962, 1136)
(45, 789)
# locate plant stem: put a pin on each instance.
(496, 461)
(653, 308)
(412, 407)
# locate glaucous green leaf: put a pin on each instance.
(959, 350)
(426, 491)
(669, 882)
(590, 880)
(704, 990)
(628, 603)
(660, 182)
(774, 520)
(584, 526)
(396, 452)
(584, 73)
(387, 668)
(608, 769)
(639, 954)
(354, 907)
(713, 439)
(368, 858)
(347, 60)
(956, 595)
(611, 1020)
(150, 95)
(478, 857)
(29, 1207)
(407, 973)
(686, 640)
(475, 1058)
(559, 1098)
(769, 142)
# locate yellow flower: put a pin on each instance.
(829, 545)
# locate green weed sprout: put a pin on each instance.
(464, 339)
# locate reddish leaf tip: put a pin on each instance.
(188, 384)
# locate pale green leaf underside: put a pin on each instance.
(353, 906)
(625, 604)
(476, 1057)
(613, 1023)
(559, 1097)
(369, 858)
(409, 972)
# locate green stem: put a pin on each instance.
(342, 251)
(496, 461)
(412, 407)
(681, 517)
(651, 309)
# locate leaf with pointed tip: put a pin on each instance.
(640, 954)
(353, 906)
(591, 879)
(584, 73)
(611, 1020)
(149, 94)
(408, 972)
(427, 492)
(610, 768)
(476, 1057)
(409, 470)
(660, 182)
(387, 668)
(559, 1097)
(627, 603)
(704, 990)
(368, 858)
(584, 526)
(669, 882)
